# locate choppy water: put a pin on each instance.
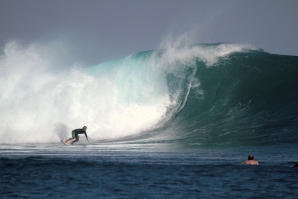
(121, 170)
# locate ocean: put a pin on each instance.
(167, 123)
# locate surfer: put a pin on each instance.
(75, 134)
(250, 160)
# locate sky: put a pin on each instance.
(95, 31)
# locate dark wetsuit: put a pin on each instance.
(75, 133)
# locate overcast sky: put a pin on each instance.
(99, 30)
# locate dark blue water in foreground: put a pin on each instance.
(151, 171)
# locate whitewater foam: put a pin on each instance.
(34, 99)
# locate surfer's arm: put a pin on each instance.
(86, 137)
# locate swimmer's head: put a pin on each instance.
(250, 157)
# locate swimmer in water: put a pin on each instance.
(250, 160)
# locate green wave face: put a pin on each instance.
(213, 94)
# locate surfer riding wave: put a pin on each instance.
(75, 135)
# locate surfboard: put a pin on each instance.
(64, 142)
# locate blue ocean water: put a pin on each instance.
(154, 171)
(168, 123)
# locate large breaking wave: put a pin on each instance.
(207, 93)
